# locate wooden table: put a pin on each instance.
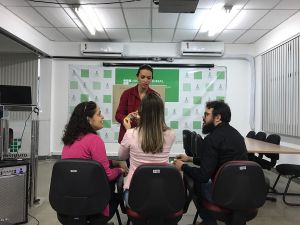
(255, 146)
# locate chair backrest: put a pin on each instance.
(274, 139)
(198, 145)
(187, 141)
(193, 143)
(78, 187)
(239, 185)
(251, 134)
(261, 136)
(156, 190)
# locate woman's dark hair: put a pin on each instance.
(145, 67)
(152, 123)
(220, 108)
(78, 124)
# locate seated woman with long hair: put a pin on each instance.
(150, 142)
(81, 141)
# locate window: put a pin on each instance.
(280, 89)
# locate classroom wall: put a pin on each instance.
(54, 97)
(238, 89)
(282, 33)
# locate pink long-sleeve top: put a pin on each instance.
(130, 147)
(91, 146)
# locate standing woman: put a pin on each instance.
(81, 141)
(131, 99)
(150, 142)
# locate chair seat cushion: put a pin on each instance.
(288, 169)
(136, 215)
(223, 214)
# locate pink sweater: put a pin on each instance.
(131, 148)
(92, 147)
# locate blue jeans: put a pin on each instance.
(206, 193)
(125, 197)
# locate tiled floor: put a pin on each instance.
(272, 213)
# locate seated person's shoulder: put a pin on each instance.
(170, 133)
(92, 138)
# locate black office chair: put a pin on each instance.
(238, 192)
(261, 136)
(268, 160)
(266, 164)
(187, 141)
(193, 143)
(251, 134)
(79, 192)
(156, 195)
(198, 145)
(293, 172)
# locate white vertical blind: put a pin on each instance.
(20, 69)
(281, 93)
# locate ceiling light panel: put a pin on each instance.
(74, 34)
(137, 18)
(237, 4)
(118, 35)
(205, 4)
(184, 35)
(251, 36)
(162, 35)
(261, 4)
(52, 34)
(14, 3)
(30, 16)
(229, 36)
(204, 37)
(273, 19)
(111, 18)
(192, 21)
(163, 20)
(137, 4)
(246, 18)
(56, 16)
(140, 35)
(288, 4)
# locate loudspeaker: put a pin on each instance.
(13, 194)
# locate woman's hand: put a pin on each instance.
(123, 166)
(127, 122)
(184, 158)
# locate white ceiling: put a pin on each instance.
(140, 21)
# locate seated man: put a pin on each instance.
(223, 143)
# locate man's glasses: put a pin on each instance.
(206, 114)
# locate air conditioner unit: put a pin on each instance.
(102, 49)
(202, 48)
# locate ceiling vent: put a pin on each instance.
(177, 6)
(202, 48)
(102, 49)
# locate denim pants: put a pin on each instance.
(206, 193)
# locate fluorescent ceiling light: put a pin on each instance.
(217, 20)
(89, 19)
(72, 15)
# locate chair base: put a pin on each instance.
(285, 193)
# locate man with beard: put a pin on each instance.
(222, 144)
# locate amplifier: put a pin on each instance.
(13, 194)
